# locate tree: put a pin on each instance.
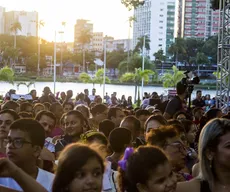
(201, 58)
(140, 42)
(210, 48)
(160, 58)
(31, 63)
(84, 38)
(178, 48)
(7, 75)
(14, 28)
(171, 79)
(137, 79)
(130, 4)
(114, 58)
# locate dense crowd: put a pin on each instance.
(92, 144)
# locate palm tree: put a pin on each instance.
(140, 42)
(84, 38)
(14, 28)
(136, 77)
(40, 24)
(178, 47)
(7, 75)
(171, 79)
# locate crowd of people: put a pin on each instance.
(92, 144)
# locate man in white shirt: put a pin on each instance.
(23, 147)
(92, 97)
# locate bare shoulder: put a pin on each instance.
(189, 186)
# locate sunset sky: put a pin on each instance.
(108, 16)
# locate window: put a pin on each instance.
(161, 9)
(160, 39)
(161, 21)
(161, 15)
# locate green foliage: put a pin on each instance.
(84, 37)
(159, 57)
(130, 4)
(7, 75)
(84, 78)
(15, 27)
(171, 79)
(114, 58)
(140, 42)
(201, 58)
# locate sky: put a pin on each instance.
(108, 16)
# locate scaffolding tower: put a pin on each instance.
(223, 57)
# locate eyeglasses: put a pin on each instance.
(16, 143)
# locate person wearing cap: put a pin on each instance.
(178, 102)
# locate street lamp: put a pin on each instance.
(143, 64)
(55, 61)
(105, 47)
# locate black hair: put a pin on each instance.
(113, 112)
(54, 106)
(198, 91)
(10, 105)
(68, 103)
(140, 112)
(212, 113)
(119, 138)
(24, 114)
(38, 105)
(23, 106)
(140, 167)
(180, 113)
(33, 128)
(99, 108)
(47, 104)
(81, 108)
(71, 160)
(158, 118)
(180, 88)
(106, 126)
(136, 123)
(11, 112)
(46, 113)
(91, 136)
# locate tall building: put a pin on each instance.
(27, 20)
(2, 19)
(80, 26)
(98, 41)
(199, 20)
(157, 19)
(122, 44)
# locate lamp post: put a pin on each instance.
(105, 41)
(55, 51)
(143, 65)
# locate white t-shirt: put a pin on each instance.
(44, 178)
(91, 97)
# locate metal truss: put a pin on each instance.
(223, 60)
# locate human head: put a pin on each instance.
(24, 115)
(116, 115)
(133, 124)
(93, 91)
(167, 138)
(213, 113)
(26, 107)
(11, 105)
(83, 109)
(119, 139)
(180, 115)
(92, 136)
(47, 106)
(33, 93)
(75, 123)
(46, 91)
(48, 120)
(181, 88)
(86, 91)
(100, 112)
(106, 126)
(7, 117)
(25, 141)
(190, 130)
(197, 112)
(56, 109)
(198, 94)
(37, 108)
(67, 107)
(142, 115)
(154, 122)
(214, 148)
(79, 174)
(63, 96)
(143, 170)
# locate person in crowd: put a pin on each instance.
(208, 102)
(154, 121)
(80, 99)
(86, 94)
(100, 113)
(129, 102)
(26, 107)
(80, 168)
(24, 144)
(37, 108)
(134, 125)
(24, 115)
(119, 139)
(47, 106)
(178, 102)
(33, 93)
(214, 165)
(142, 115)
(190, 133)
(47, 96)
(92, 97)
(180, 115)
(213, 113)
(116, 115)
(146, 170)
(11, 105)
(106, 126)
(98, 99)
(168, 139)
(7, 117)
(63, 97)
(114, 100)
(84, 110)
(75, 125)
(67, 107)
(197, 112)
(123, 101)
(107, 99)
(198, 102)
(9, 93)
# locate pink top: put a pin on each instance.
(56, 131)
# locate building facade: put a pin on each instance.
(28, 21)
(158, 20)
(98, 41)
(82, 25)
(2, 19)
